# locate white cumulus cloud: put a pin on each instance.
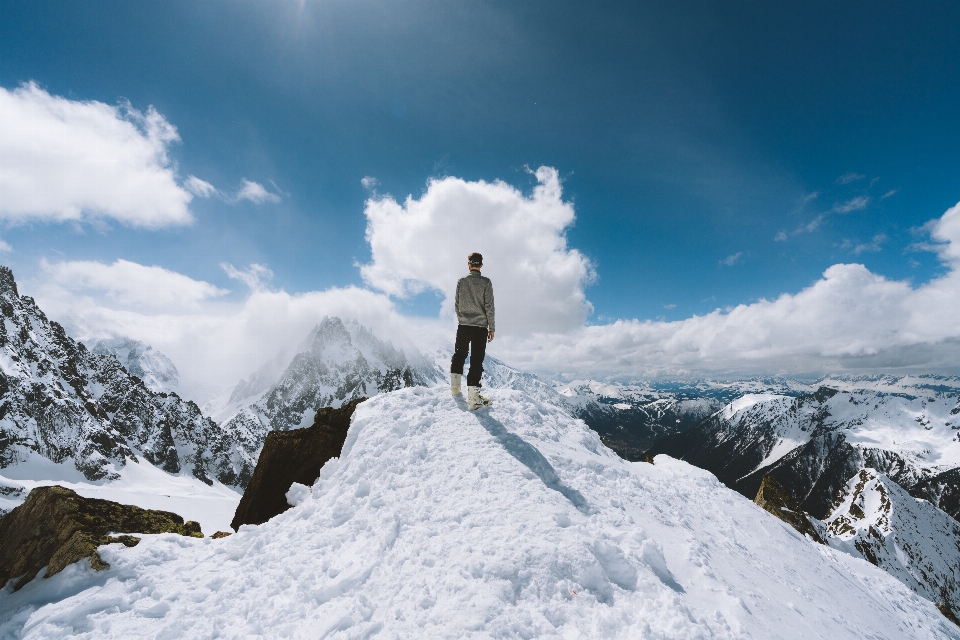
(65, 160)
(423, 243)
(254, 276)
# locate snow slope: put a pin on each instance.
(510, 522)
(140, 484)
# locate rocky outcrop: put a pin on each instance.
(66, 403)
(778, 501)
(941, 490)
(55, 527)
(292, 456)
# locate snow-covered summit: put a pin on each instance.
(139, 359)
(513, 521)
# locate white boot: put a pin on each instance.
(455, 383)
(474, 399)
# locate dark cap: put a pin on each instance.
(475, 259)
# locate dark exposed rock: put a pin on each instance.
(778, 501)
(292, 456)
(221, 534)
(942, 490)
(55, 527)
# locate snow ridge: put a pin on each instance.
(513, 521)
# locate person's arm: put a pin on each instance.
(456, 302)
(490, 311)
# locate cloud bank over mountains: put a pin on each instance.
(72, 161)
(850, 319)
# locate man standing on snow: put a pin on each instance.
(474, 307)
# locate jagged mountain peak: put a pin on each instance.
(140, 359)
(8, 285)
(337, 362)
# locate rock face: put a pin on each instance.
(918, 544)
(55, 527)
(292, 456)
(778, 501)
(68, 404)
(941, 490)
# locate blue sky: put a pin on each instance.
(715, 154)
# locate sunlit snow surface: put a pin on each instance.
(510, 522)
(140, 484)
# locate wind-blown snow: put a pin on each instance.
(510, 522)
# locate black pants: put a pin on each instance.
(474, 339)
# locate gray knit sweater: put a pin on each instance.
(474, 301)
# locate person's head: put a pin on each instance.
(475, 261)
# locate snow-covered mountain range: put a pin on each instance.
(509, 522)
(64, 405)
(105, 422)
(814, 443)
